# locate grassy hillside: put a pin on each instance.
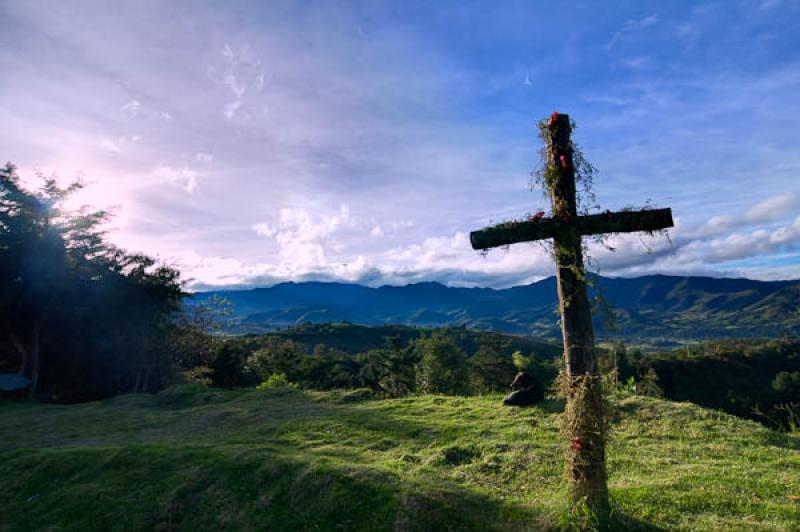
(196, 459)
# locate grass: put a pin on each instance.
(199, 459)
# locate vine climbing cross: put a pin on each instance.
(585, 424)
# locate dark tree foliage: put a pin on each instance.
(389, 371)
(755, 379)
(442, 367)
(490, 367)
(448, 360)
(82, 318)
(274, 355)
(399, 376)
(787, 384)
(228, 366)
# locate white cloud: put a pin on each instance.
(242, 74)
(631, 26)
(688, 251)
(635, 63)
(452, 260)
(768, 210)
(716, 225)
(131, 109)
(399, 226)
(231, 108)
(307, 250)
(110, 145)
(202, 157)
(759, 242)
(303, 237)
(773, 208)
(184, 177)
(213, 270)
(117, 145)
(305, 253)
(134, 109)
(216, 271)
(767, 272)
(263, 229)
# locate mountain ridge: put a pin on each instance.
(653, 306)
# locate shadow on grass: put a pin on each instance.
(552, 406)
(169, 488)
(548, 406)
(619, 521)
(774, 438)
(232, 488)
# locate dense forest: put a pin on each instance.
(390, 360)
(756, 379)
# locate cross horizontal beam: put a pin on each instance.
(592, 224)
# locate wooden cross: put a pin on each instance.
(586, 467)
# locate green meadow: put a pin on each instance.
(193, 458)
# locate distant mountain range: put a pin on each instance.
(658, 307)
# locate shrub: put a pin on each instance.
(199, 375)
(521, 362)
(787, 383)
(648, 385)
(276, 380)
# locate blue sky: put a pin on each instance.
(250, 143)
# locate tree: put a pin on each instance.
(400, 377)
(442, 367)
(83, 318)
(490, 370)
(373, 370)
(32, 263)
(198, 350)
(277, 355)
(787, 383)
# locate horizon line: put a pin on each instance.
(240, 288)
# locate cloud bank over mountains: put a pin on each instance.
(252, 143)
(309, 248)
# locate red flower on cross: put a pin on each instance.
(576, 444)
(553, 119)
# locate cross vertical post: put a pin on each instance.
(585, 422)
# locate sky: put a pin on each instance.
(249, 143)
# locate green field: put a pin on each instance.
(199, 459)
